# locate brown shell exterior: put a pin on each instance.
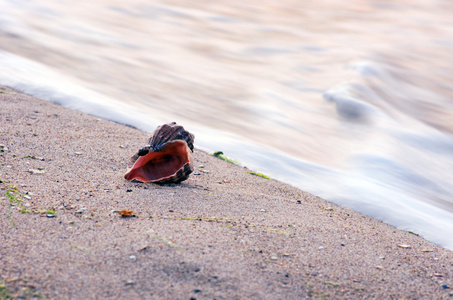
(170, 132)
(161, 136)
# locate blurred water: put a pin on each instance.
(350, 101)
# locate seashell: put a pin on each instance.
(166, 159)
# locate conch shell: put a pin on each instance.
(166, 159)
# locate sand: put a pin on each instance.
(222, 234)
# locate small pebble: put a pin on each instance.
(130, 282)
(122, 146)
(50, 215)
(128, 190)
(78, 153)
(321, 247)
(274, 257)
(132, 257)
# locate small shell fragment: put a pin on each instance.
(126, 213)
(36, 171)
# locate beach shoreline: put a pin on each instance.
(222, 234)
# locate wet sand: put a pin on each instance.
(222, 234)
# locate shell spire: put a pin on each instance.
(166, 159)
(170, 132)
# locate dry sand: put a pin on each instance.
(222, 234)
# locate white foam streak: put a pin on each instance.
(40, 81)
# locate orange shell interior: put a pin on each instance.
(157, 166)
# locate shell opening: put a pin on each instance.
(160, 165)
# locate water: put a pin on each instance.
(350, 101)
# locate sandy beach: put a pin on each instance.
(222, 234)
